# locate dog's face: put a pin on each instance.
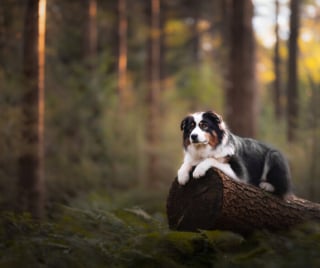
(202, 129)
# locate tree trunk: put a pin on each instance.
(278, 103)
(31, 160)
(314, 137)
(218, 202)
(195, 41)
(241, 91)
(153, 92)
(122, 55)
(91, 42)
(225, 34)
(292, 89)
(163, 46)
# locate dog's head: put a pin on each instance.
(203, 129)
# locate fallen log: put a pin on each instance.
(218, 202)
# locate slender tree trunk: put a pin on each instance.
(314, 150)
(241, 91)
(2, 29)
(31, 161)
(195, 35)
(163, 48)
(292, 89)
(225, 34)
(154, 91)
(91, 42)
(122, 54)
(41, 100)
(278, 103)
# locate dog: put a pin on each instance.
(208, 142)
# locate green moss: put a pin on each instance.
(133, 238)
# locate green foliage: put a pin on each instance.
(202, 85)
(303, 154)
(10, 140)
(133, 238)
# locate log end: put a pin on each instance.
(195, 205)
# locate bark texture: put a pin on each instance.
(217, 202)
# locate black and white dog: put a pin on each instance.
(208, 143)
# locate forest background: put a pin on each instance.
(120, 76)
(92, 95)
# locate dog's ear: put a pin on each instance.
(214, 117)
(184, 122)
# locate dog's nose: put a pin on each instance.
(194, 137)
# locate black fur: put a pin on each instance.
(213, 121)
(186, 127)
(254, 159)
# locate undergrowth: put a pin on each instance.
(131, 237)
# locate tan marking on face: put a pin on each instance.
(213, 139)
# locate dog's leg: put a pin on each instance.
(203, 166)
(266, 186)
(183, 173)
(276, 174)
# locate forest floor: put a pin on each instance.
(97, 236)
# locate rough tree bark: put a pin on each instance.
(218, 202)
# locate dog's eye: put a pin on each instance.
(193, 124)
(203, 125)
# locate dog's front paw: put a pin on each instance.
(200, 170)
(267, 186)
(183, 176)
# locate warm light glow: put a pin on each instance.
(41, 53)
(123, 35)
(123, 53)
(92, 28)
(41, 66)
(93, 9)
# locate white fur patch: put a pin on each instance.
(206, 164)
(265, 171)
(189, 161)
(223, 125)
(223, 150)
(202, 137)
(266, 186)
(183, 173)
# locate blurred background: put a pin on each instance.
(92, 93)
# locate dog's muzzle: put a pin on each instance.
(194, 138)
